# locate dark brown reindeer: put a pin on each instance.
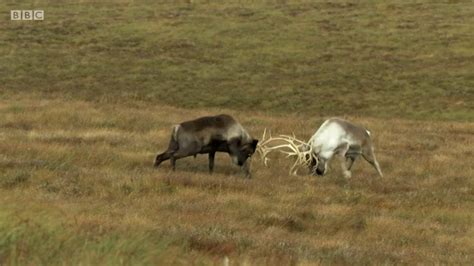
(210, 134)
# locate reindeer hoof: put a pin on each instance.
(347, 174)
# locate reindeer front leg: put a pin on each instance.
(246, 168)
(341, 150)
(350, 161)
(211, 161)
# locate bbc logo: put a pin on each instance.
(27, 14)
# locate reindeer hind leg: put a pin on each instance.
(369, 156)
(192, 149)
(172, 148)
(162, 157)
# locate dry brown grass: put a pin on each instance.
(77, 186)
(86, 102)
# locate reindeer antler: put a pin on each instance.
(262, 148)
(291, 147)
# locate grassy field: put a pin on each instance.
(89, 95)
(370, 58)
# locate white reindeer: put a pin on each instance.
(335, 137)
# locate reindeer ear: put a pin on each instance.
(254, 143)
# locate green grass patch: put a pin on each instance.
(411, 60)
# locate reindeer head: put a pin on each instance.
(292, 147)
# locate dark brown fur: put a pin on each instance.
(210, 134)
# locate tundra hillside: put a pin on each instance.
(374, 58)
(78, 186)
(89, 96)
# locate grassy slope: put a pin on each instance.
(87, 99)
(77, 186)
(384, 58)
